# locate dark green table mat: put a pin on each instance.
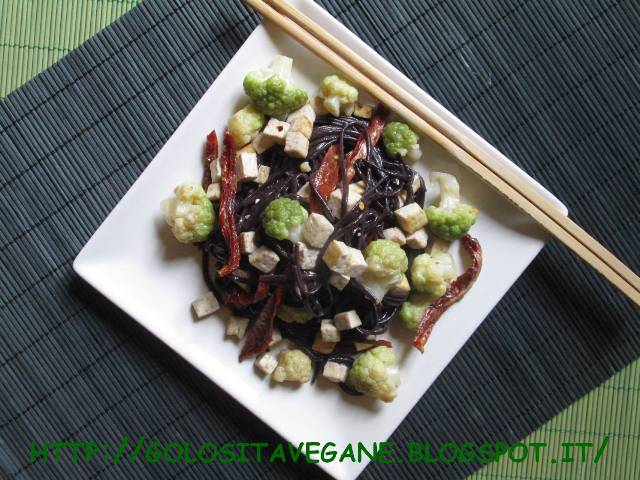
(451, 48)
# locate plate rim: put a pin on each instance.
(82, 261)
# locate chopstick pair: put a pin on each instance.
(487, 167)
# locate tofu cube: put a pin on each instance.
(296, 145)
(345, 260)
(263, 174)
(321, 346)
(347, 320)
(402, 287)
(205, 305)
(216, 170)
(335, 372)
(335, 200)
(363, 111)
(302, 125)
(328, 331)
(264, 259)
(358, 187)
(403, 198)
(415, 186)
(247, 242)
(213, 191)
(411, 217)
(307, 257)
(276, 337)
(305, 167)
(247, 167)
(418, 239)
(262, 143)
(316, 230)
(305, 192)
(395, 235)
(266, 363)
(236, 326)
(338, 280)
(305, 111)
(246, 149)
(355, 194)
(415, 183)
(276, 130)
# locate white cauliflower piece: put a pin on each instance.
(293, 366)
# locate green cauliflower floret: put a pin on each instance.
(399, 139)
(245, 124)
(190, 214)
(338, 95)
(271, 91)
(290, 314)
(432, 272)
(386, 264)
(293, 366)
(412, 310)
(385, 258)
(451, 219)
(375, 374)
(284, 219)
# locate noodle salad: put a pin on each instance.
(314, 233)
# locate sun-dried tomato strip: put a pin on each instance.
(360, 150)
(260, 332)
(384, 343)
(326, 178)
(228, 186)
(210, 154)
(240, 297)
(458, 288)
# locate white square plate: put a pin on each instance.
(134, 261)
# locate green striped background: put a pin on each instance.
(36, 33)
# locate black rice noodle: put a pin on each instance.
(384, 179)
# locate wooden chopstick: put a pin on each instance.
(454, 135)
(509, 183)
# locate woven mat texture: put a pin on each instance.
(554, 85)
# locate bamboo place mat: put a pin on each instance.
(554, 85)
